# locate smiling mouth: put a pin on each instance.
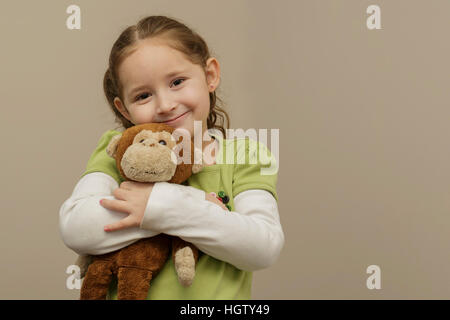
(175, 118)
(148, 172)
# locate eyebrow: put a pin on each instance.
(169, 75)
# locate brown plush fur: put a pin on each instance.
(136, 265)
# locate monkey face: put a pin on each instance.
(148, 153)
(150, 157)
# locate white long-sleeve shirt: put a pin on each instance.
(250, 238)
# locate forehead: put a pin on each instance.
(159, 134)
(151, 59)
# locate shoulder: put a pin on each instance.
(255, 167)
(248, 151)
(104, 140)
(106, 137)
(100, 161)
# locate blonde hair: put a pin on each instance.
(178, 36)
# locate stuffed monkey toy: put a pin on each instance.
(143, 153)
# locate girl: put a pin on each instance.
(161, 71)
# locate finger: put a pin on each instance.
(222, 205)
(120, 193)
(115, 205)
(128, 222)
(126, 185)
(213, 199)
(209, 197)
(137, 184)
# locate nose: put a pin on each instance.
(149, 142)
(165, 104)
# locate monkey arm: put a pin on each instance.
(82, 218)
(249, 238)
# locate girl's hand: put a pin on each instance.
(212, 198)
(131, 198)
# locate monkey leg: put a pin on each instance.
(98, 276)
(138, 264)
(133, 283)
(185, 257)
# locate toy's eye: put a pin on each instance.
(162, 142)
(141, 141)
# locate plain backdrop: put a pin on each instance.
(364, 136)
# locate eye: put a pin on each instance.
(141, 95)
(178, 80)
(141, 141)
(162, 142)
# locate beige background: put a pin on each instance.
(363, 118)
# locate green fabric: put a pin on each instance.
(214, 279)
(100, 161)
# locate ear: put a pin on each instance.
(112, 146)
(197, 167)
(121, 108)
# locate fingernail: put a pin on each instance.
(106, 229)
(101, 201)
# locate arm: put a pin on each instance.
(250, 238)
(82, 218)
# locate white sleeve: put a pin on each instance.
(82, 218)
(249, 238)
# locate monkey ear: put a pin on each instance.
(197, 167)
(112, 146)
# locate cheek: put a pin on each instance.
(189, 96)
(142, 115)
(197, 100)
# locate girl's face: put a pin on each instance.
(160, 84)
